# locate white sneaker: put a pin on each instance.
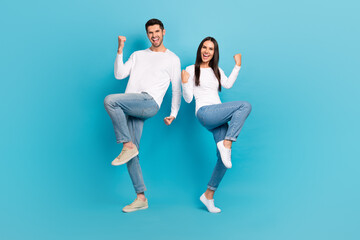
(209, 204)
(126, 155)
(136, 205)
(225, 154)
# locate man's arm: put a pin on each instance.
(122, 70)
(176, 92)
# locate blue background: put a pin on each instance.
(296, 162)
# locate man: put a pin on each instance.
(150, 71)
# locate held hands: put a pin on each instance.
(184, 76)
(121, 40)
(168, 120)
(237, 58)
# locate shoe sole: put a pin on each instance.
(126, 160)
(135, 209)
(225, 164)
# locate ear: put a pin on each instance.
(164, 32)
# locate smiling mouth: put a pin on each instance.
(206, 55)
(156, 39)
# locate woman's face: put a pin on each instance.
(207, 51)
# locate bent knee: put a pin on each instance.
(247, 106)
(108, 100)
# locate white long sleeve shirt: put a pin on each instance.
(207, 93)
(152, 72)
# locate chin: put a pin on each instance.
(157, 45)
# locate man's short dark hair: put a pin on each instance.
(152, 22)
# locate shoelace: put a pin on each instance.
(133, 203)
(122, 152)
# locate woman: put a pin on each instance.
(203, 81)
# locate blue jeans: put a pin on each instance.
(215, 118)
(128, 112)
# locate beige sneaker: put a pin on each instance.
(136, 205)
(125, 155)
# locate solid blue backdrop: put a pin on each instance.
(295, 173)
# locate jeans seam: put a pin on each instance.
(230, 138)
(140, 190)
(231, 132)
(212, 188)
(123, 140)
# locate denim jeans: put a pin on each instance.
(128, 112)
(215, 118)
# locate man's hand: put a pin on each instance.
(184, 76)
(168, 120)
(121, 40)
(237, 58)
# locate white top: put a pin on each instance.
(207, 93)
(152, 72)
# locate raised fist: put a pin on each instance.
(237, 58)
(184, 76)
(121, 40)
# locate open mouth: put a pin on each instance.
(156, 40)
(206, 56)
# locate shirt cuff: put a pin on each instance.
(184, 84)
(173, 115)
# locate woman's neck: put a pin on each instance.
(204, 65)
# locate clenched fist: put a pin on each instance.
(121, 40)
(237, 58)
(168, 120)
(184, 76)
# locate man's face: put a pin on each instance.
(155, 35)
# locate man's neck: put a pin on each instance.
(160, 48)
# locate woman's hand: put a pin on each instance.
(184, 76)
(121, 40)
(237, 58)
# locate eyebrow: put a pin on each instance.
(158, 30)
(204, 46)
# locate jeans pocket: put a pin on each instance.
(147, 96)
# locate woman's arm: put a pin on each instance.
(187, 85)
(229, 82)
